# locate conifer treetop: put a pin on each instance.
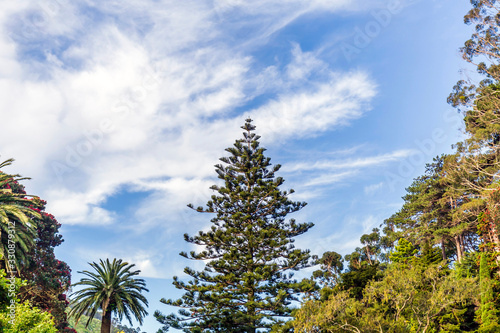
(247, 283)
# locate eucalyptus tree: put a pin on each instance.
(409, 298)
(437, 210)
(479, 166)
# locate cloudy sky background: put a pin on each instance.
(118, 111)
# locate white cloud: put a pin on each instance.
(351, 163)
(343, 241)
(72, 207)
(107, 95)
(369, 223)
(146, 142)
(303, 64)
(371, 189)
(318, 108)
(327, 179)
(145, 263)
(316, 174)
(275, 14)
(169, 204)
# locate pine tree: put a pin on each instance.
(247, 282)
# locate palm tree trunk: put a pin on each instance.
(106, 322)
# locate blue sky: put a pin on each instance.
(118, 111)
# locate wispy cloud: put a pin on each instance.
(327, 179)
(344, 240)
(371, 189)
(317, 108)
(362, 162)
(99, 96)
(331, 171)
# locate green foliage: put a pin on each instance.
(338, 314)
(480, 102)
(479, 153)
(404, 252)
(487, 311)
(47, 279)
(430, 255)
(372, 252)
(469, 267)
(28, 319)
(364, 265)
(409, 298)
(94, 325)
(119, 328)
(9, 289)
(437, 212)
(247, 283)
(112, 289)
(449, 214)
(355, 280)
(17, 229)
(32, 234)
(331, 265)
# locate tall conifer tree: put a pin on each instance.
(488, 314)
(247, 282)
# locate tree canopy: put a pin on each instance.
(247, 284)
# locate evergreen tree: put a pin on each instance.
(247, 282)
(487, 311)
(404, 252)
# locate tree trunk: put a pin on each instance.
(458, 244)
(496, 240)
(368, 255)
(106, 322)
(251, 312)
(443, 250)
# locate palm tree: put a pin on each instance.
(17, 229)
(111, 289)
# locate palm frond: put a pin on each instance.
(111, 287)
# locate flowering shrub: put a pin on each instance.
(47, 278)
